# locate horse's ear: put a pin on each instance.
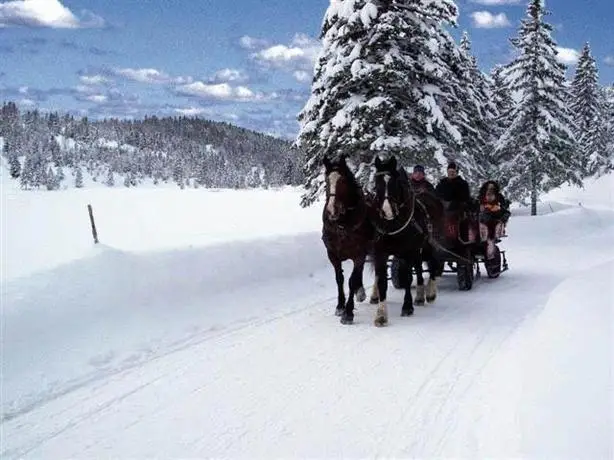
(342, 158)
(326, 162)
(378, 162)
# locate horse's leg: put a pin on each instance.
(381, 276)
(374, 292)
(419, 281)
(361, 295)
(336, 261)
(434, 271)
(408, 305)
(347, 316)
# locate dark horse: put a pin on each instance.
(405, 227)
(346, 232)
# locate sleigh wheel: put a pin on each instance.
(464, 273)
(493, 265)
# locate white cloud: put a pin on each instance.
(302, 76)
(568, 56)
(150, 76)
(487, 20)
(220, 91)
(301, 54)
(498, 2)
(609, 60)
(97, 98)
(229, 76)
(44, 13)
(298, 57)
(93, 79)
(252, 43)
(191, 111)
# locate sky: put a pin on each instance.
(247, 62)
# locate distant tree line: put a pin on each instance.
(52, 150)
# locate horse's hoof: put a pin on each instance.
(345, 319)
(380, 321)
(419, 302)
(361, 295)
(407, 312)
(373, 300)
(431, 299)
(339, 311)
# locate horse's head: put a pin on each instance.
(392, 188)
(341, 189)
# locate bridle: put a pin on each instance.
(398, 207)
(339, 222)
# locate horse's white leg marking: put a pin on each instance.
(361, 295)
(386, 208)
(332, 187)
(420, 294)
(374, 293)
(381, 316)
(431, 290)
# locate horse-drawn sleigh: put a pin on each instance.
(394, 221)
(465, 247)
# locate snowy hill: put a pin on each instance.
(203, 326)
(53, 151)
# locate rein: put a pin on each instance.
(409, 219)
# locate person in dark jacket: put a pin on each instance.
(454, 189)
(419, 183)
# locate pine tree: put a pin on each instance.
(537, 149)
(51, 180)
(586, 107)
(14, 165)
(379, 86)
(600, 158)
(502, 99)
(110, 182)
(473, 111)
(79, 177)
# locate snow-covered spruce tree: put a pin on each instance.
(473, 111)
(378, 85)
(537, 149)
(502, 100)
(600, 159)
(13, 159)
(79, 177)
(586, 108)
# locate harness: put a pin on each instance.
(400, 206)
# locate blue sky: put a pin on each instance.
(247, 62)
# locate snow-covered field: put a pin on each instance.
(203, 326)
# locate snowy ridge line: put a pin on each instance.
(181, 345)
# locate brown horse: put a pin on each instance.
(346, 232)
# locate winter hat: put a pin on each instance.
(419, 168)
(452, 165)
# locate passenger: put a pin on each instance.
(419, 182)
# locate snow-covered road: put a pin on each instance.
(232, 350)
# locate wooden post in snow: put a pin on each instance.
(94, 232)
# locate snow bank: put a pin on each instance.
(44, 229)
(549, 390)
(596, 193)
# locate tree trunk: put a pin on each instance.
(533, 192)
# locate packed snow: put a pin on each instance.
(203, 325)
